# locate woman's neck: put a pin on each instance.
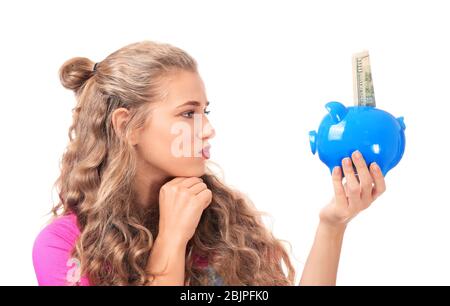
(148, 182)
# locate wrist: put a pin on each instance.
(332, 228)
(166, 255)
(171, 241)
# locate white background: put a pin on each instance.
(269, 68)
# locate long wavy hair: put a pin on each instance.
(97, 175)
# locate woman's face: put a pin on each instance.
(175, 137)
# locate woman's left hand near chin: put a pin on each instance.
(354, 196)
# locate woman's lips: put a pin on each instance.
(205, 152)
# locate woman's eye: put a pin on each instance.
(189, 114)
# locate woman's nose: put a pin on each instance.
(207, 131)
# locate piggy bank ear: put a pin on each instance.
(336, 110)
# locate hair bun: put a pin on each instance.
(75, 72)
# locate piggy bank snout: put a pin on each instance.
(313, 141)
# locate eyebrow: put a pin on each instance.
(195, 103)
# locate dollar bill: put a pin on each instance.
(363, 92)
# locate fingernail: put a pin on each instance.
(347, 161)
(375, 167)
(357, 154)
(336, 170)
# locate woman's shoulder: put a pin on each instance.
(52, 248)
(61, 229)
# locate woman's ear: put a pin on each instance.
(119, 120)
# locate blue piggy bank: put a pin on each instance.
(375, 133)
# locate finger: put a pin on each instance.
(365, 178)
(197, 188)
(339, 192)
(205, 197)
(353, 188)
(380, 184)
(190, 181)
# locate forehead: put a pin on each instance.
(183, 86)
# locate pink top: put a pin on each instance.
(51, 255)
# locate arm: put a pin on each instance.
(167, 262)
(322, 264)
(350, 199)
(181, 202)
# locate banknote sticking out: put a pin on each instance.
(363, 92)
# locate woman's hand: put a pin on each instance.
(354, 196)
(181, 204)
(349, 199)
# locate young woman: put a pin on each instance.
(139, 204)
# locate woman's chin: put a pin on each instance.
(195, 171)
